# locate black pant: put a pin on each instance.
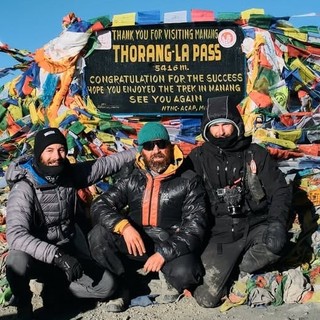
(110, 251)
(248, 254)
(95, 283)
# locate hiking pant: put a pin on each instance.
(110, 251)
(96, 282)
(248, 254)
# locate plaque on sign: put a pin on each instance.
(165, 68)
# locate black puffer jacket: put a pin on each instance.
(173, 201)
(227, 164)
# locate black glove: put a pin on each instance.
(69, 265)
(275, 237)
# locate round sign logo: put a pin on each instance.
(227, 38)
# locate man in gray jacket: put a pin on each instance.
(44, 239)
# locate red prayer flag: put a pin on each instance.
(202, 15)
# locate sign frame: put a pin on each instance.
(165, 69)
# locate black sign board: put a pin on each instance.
(165, 68)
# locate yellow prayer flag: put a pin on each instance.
(90, 107)
(247, 13)
(86, 149)
(89, 127)
(55, 121)
(41, 113)
(306, 74)
(72, 159)
(315, 297)
(86, 121)
(127, 141)
(126, 19)
(294, 33)
(268, 136)
(15, 111)
(291, 135)
(105, 137)
(12, 87)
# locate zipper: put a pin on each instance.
(60, 215)
(150, 198)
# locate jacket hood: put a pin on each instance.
(222, 110)
(21, 168)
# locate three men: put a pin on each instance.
(155, 216)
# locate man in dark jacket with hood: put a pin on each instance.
(153, 218)
(249, 197)
(44, 239)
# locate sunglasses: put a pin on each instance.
(161, 144)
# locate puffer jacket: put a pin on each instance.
(229, 167)
(173, 201)
(40, 236)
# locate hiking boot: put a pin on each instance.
(115, 305)
(168, 293)
(25, 312)
(13, 301)
(119, 304)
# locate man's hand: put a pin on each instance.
(154, 263)
(133, 241)
(69, 265)
(275, 237)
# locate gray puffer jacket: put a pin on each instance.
(39, 235)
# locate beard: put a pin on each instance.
(51, 170)
(158, 162)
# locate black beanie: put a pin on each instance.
(45, 138)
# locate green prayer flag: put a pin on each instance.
(70, 142)
(3, 111)
(3, 124)
(77, 127)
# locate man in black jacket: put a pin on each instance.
(249, 197)
(155, 216)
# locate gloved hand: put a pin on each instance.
(275, 237)
(69, 265)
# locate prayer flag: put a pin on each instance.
(305, 73)
(247, 13)
(202, 15)
(148, 17)
(229, 16)
(175, 17)
(126, 19)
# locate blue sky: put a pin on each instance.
(29, 24)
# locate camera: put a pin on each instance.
(232, 196)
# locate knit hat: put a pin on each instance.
(152, 131)
(45, 138)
